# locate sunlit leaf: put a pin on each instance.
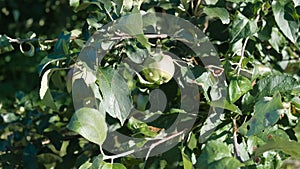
(187, 163)
(283, 13)
(74, 3)
(277, 39)
(113, 166)
(224, 104)
(238, 86)
(242, 27)
(45, 93)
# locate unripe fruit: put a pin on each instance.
(159, 69)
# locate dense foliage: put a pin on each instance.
(254, 125)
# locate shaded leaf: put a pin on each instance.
(220, 13)
(90, 123)
(62, 44)
(133, 25)
(97, 162)
(48, 158)
(212, 121)
(29, 157)
(266, 113)
(85, 5)
(136, 54)
(213, 151)
(5, 45)
(117, 100)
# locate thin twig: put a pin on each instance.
(206, 24)
(19, 41)
(127, 36)
(162, 141)
(111, 157)
(235, 143)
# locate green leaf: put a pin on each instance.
(283, 13)
(226, 163)
(29, 157)
(187, 163)
(48, 158)
(62, 44)
(117, 99)
(206, 82)
(274, 83)
(139, 127)
(86, 94)
(107, 5)
(9, 117)
(133, 25)
(242, 27)
(296, 3)
(211, 2)
(136, 54)
(211, 123)
(192, 144)
(45, 93)
(238, 86)
(5, 45)
(277, 39)
(213, 151)
(74, 3)
(291, 148)
(85, 5)
(89, 123)
(97, 162)
(266, 113)
(221, 13)
(113, 166)
(225, 105)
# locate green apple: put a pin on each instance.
(159, 69)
